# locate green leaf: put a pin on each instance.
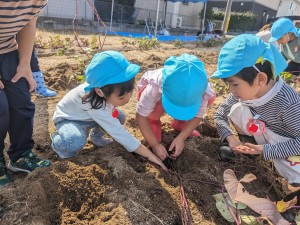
(297, 219)
(249, 220)
(221, 206)
(219, 197)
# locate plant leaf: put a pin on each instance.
(250, 220)
(233, 186)
(248, 178)
(222, 207)
(297, 219)
(260, 205)
(283, 206)
(239, 205)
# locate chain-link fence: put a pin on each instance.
(135, 18)
(131, 15)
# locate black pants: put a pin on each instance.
(16, 109)
(293, 68)
(34, 63)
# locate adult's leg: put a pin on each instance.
(4, 121)
(21, 108)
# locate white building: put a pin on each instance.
(67, 9)
(288, 8)
(184, 15)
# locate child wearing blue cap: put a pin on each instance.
(287, 35)
(261, 106)
(181, 90)
(90, 110)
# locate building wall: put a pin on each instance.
(289, 8)
(272, 4)
(177, 14)
(67, 9)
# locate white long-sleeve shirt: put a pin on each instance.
(72, 108)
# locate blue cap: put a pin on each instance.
(184, 80)
(109, 67)
(245, 51)
(282, 27)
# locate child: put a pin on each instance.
(109, 84)
(180, 89)
(261, 105)
(16, 82)
(287, 35)
(265, 34)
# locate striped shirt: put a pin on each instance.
(281, 114)
(14, 15)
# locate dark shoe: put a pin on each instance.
(27, 163)
(247, 139)
(4, 177)
(226, 154)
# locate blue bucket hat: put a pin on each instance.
(282, 27)
(245, 51)
(109, 67)
(184, 80)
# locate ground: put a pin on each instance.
(111, 186)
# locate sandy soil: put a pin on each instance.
(111, 186)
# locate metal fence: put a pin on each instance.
(131, 15)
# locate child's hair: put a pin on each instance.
(266, 27)
(98, 102)
(249, 74)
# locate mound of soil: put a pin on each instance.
(111, 186)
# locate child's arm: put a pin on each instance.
(178, 143)
(290, 120)
(147, 132)
(222, 123)
(145, 152)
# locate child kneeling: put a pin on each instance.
(90, 110)
(181, 90)
(261, 105)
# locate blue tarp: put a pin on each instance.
(187, 1)
(159, 37)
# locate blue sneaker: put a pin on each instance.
(27, 163)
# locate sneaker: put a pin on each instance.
(27, 163)
(4, 177)
(226, 154)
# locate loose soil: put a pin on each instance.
(111, 186)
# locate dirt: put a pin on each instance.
(111, 186)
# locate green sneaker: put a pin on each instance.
(4, 177)
(27, 163)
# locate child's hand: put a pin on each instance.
(160, 151)
(233, 142)
(176, 147)
(250, 149)
(158, 161)
(1, 85)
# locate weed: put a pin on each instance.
(220, 87)
(94, 43)
(146, 43)
(177, 43)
